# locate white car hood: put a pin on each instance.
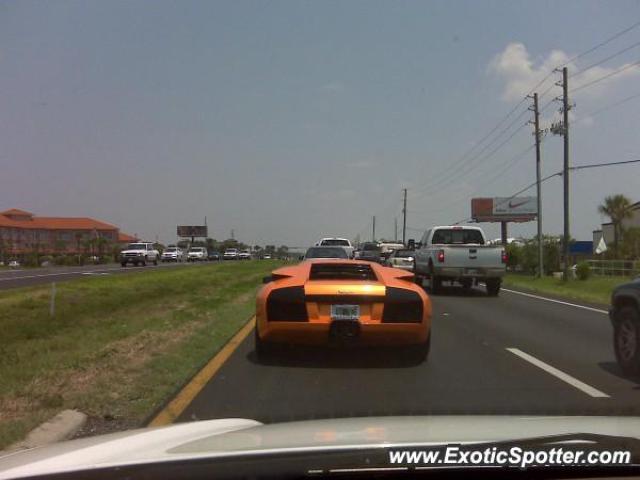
(237, 437)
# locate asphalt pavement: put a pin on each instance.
(23, 277)
(513, 354)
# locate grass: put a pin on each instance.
(596, 289)
(119, 345)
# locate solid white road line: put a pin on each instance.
(574, 382)
(598, 310)
(77, 272)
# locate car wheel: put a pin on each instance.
(155, 262)
(420, 352)
(466, 283)
(144, 262)
(493, 286)
(264, 350)
(124, 264)
(626, 339)
(436, 284)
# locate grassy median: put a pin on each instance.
(119, 345)
(596, 289)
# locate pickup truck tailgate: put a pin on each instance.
(471, 256)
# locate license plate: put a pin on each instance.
(345, 312)
(472, 271)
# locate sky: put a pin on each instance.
(288, 121)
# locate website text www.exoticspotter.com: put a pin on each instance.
(457, 455)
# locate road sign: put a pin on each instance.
(192, 231)
(504, 209)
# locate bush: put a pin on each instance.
(583, 271)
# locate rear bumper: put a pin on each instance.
(408, 268)
(371, 334)
(461, 272)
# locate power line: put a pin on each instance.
(613, 105)
(458, 172)
(601, 44)
(558, 174)
(445, 174)
(606, 59)
(598, 165)
(502, 169)
(604, 77)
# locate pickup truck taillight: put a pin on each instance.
(504, 257)
(440, 256)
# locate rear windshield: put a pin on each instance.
(315, 252)
(335, 242)
(371, 247)
(404, 253)
(451, 237)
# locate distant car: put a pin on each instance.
(326, 252)
(370, 252)
(14, 264)
(172, 254)
(214, 256)
(403, 259)
(230, 254)
(139, 253)
(387, 248)
(345, 303)
(337, 242)
(197, 254)
(625, 317)
(244, 255)
(266, 256)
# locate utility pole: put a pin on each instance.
(232, 235)
(565, 174)
(538, 135)
(404, 218)
(373, 234)
(562, 128)
(395, 229)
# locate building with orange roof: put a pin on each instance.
(22, 232)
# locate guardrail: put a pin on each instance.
(617, 268)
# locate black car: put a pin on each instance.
(625, 317)
(214, 256)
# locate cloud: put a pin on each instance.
(521, 73)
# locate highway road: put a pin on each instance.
(514, 354)
(23, 277)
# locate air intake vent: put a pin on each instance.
(341, 271)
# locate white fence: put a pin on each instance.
(620, 268)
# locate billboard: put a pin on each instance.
(192, 231)
(504, 209)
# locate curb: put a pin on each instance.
(61, 427)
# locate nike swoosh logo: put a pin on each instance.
(516, 205)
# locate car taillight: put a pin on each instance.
(402, 306)
(287, 305)
(441, 256)
(504, 257)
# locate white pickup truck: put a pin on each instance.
(337, 242)
(460, 254)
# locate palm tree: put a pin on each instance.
(617, 208)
